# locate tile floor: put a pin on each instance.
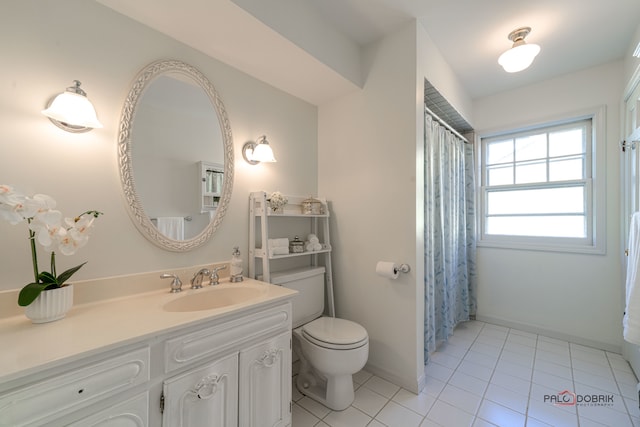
(488, 375)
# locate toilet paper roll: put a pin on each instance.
(387, 269)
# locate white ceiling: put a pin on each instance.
(471, 34)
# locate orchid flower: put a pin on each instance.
(47, 228)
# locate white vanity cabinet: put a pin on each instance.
(241, 374)
(226, 370)
(251, 388)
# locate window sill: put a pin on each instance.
(542, 247)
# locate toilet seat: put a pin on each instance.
(334, 333)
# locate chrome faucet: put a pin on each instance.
(196, 280)
(214, 279)
(176, 283)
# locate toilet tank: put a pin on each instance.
(308, 304)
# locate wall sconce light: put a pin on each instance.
(72, 111)
(255, 153)
(521, 55)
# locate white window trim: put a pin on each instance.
(598, 183)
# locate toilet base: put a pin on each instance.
(335, 393)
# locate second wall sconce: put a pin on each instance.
(72, 111)
(258, 152)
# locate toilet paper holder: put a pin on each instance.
(403, 268)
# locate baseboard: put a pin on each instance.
(551, 333)
(413, 386)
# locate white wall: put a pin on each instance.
(370, 166)
(631, 63)
(567, 295)
(47, 45)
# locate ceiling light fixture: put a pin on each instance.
(521, 55)
(72, 111)
(257, 152)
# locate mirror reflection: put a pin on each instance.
(178, 155)
(177, 151)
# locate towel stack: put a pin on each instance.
(278, 246)
(313, 243)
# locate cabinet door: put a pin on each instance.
(265, 383)
(206, 396)
(132, 413)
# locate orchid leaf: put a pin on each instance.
(29, 293)
(63, 277)
(47, 278)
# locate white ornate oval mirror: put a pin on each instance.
(175, 153)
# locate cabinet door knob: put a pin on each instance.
(207, 386)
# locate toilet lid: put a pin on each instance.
(335, 332)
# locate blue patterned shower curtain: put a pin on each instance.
(450, 246)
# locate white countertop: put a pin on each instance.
(90, 328)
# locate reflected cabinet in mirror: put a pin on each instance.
(175, 154)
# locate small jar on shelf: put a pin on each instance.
(296, 246)
(312, 206)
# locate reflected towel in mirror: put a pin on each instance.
(171, 226)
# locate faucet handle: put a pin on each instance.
(176, 283)
(214, 279)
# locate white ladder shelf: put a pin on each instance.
(260, 217)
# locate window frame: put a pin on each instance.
(595, 188)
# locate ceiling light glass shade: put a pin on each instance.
(518, 57)
(263, 153)
(73, 109)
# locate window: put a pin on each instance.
(538, 190)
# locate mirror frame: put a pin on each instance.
(125, 162)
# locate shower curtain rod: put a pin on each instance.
(445, 124)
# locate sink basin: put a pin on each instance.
(212, 298)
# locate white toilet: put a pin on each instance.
(330, 350)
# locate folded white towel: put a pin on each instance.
(279, 243)
(631, 320)
(278, 251)
(172, 227)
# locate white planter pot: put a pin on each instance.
(50, 305)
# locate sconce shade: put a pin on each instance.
(263, 153)
(521, 55)
(71, 110)
(259, 152)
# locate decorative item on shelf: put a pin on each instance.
(312, 206)
(313, 243)
(296, 246)
(277, 202)
(45, 225)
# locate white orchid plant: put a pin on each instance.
(47, 227)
